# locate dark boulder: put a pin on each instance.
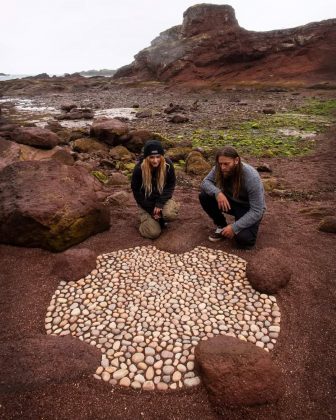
(178, 119)
(138, 138)
(328, 224)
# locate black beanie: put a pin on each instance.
(153, 147)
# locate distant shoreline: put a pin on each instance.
(90, 73)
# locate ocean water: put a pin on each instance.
(13, 76)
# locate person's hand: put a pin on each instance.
(223, 202)
(228, 232)
(157, 213)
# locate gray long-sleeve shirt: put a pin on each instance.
(251, 196)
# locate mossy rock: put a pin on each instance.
(121, 153)
(196, 164)
(89, 145)
(271, 183)
(177, 154)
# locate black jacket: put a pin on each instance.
(155, 199)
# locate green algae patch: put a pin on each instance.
(279, 135)
(319, 107)
(100, 176)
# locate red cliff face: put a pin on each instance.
(211, 47)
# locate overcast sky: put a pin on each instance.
(65, 36)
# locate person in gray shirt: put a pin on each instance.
(235, 188)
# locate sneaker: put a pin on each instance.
(217, 235)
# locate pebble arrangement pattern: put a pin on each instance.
(147, 309)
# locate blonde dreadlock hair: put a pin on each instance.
(231, 152)
(146, 169)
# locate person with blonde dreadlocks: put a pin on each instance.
(153, 184)
(235, 188)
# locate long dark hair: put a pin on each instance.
(231, 152)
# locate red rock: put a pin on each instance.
(109, 131)
(268, 271)
(74, 264)
(35, 136)
(138, 139)
(41, 360)
(236, 373)
(49, 205)
(210, 47)
(9, 152)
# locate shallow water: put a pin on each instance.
(297, 133)
(31, 106)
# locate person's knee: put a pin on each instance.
(150, 229)
(203, 197)
(170, 210)
(246, 239)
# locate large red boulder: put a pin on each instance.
(268, 270)
(9, 152)
(49, 205)
(236, 373)
(36, 136)
(110, 131)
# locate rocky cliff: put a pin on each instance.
(211, 47)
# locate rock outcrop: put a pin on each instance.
(210, 46)
(49, 205)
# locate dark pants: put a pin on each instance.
(246, 238)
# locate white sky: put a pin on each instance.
(65, 36)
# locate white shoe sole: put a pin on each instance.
(212, 239)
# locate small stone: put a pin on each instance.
(149, 373)
(177, 376)
(167, 354)
(125, 382)
(148, 386)
(136, 385)
(119, 374)
(140, 378)
(189, 382)
(168, 370)
(106, 376)
(138, 357)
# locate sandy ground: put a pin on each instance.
(305, 350)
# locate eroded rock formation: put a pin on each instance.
(211, 46)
